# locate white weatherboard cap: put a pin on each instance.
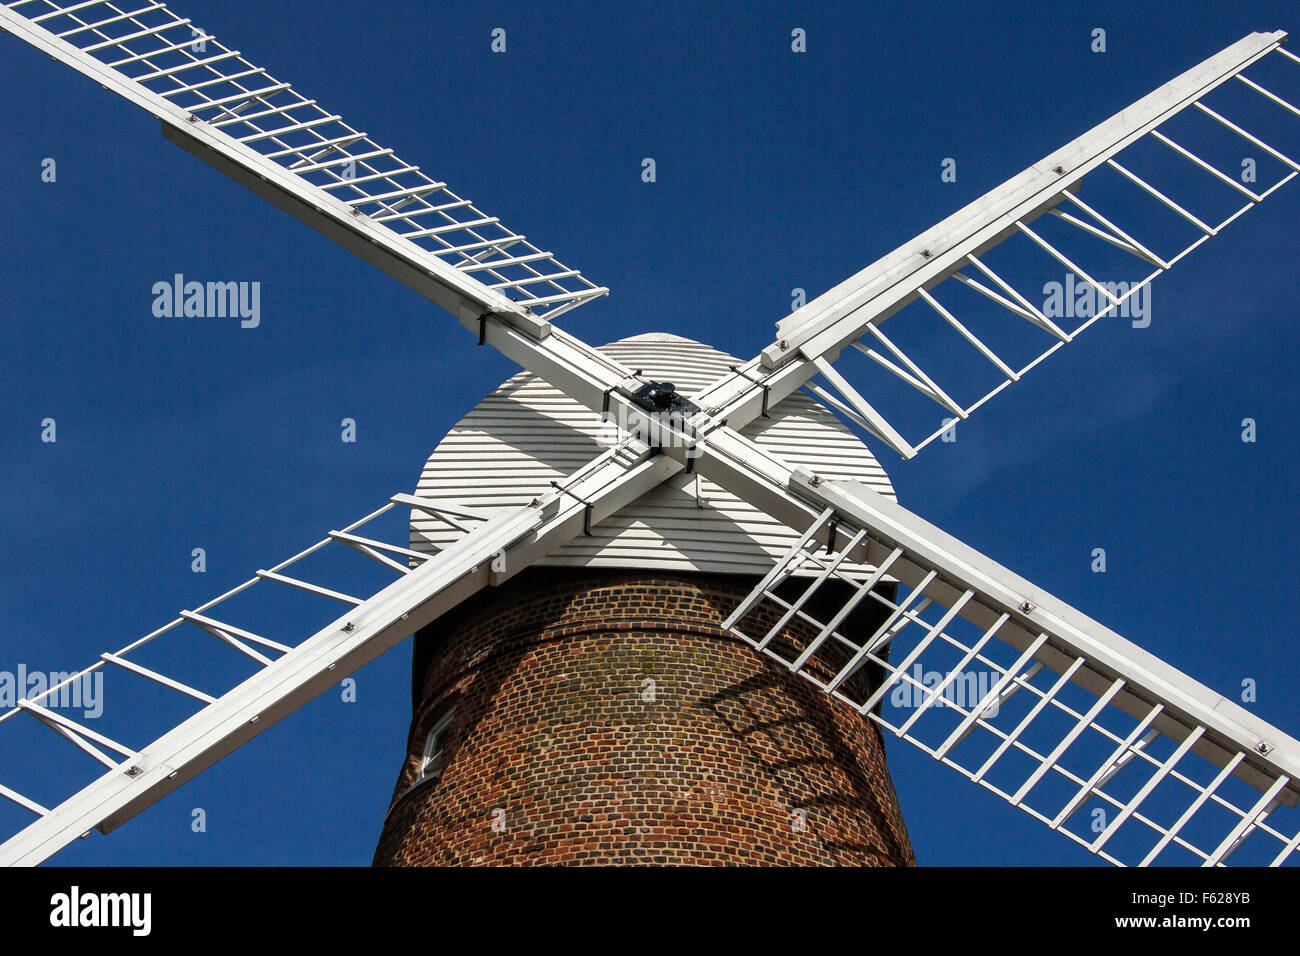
(527, 434)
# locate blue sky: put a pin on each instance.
(775, 171)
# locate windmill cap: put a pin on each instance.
(527, 434)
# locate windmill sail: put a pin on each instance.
(287, 675)
(266, 135)
(1009, 686)
(920, 283)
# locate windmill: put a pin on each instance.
(1138, 736)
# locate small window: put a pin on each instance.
(431, 760)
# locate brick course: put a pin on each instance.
(603, 717)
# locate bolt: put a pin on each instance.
(1059, 170)
(784, 345)
(133, 771)
(1026, 607)
(1263, 748)
(926, 253)
(349, 627)
(815, 481)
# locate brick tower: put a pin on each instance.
(592, 710)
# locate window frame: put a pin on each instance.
(431, 763)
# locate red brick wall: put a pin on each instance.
(556, 754)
